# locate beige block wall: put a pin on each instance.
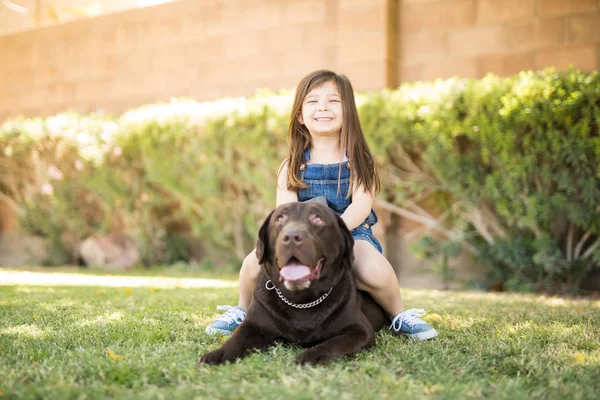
(205, 49)
(208, 49)
(470, 38)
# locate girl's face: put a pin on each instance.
(322, 112)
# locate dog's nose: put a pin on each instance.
(293, 237)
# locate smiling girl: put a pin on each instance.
(329, 157)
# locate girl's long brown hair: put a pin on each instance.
(352, 137)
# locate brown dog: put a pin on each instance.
(306, 291)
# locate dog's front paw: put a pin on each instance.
(315, 356)
(215, 357)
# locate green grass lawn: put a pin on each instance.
(94, 342)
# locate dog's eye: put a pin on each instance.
(317, 220)
(280, 219)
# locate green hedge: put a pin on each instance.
(507, 167)
(519, 160)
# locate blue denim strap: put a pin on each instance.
(306, 155)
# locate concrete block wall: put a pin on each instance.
(205, 49)
(470, 38)
(208, 49)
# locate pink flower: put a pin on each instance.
(54, 173)
(47, 189)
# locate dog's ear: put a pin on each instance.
(263, 252)
(347, 245)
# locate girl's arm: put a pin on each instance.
(283, 194)
(359, 209)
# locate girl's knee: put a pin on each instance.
(376, 276)
(250, 265)
(251, 259)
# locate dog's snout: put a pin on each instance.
(293, 237)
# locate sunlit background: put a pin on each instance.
(155, 59)
(23, 15)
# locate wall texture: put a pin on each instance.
(469, 38)
(208, 49)
(205, 49)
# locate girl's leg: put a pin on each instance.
(375, 275)
(234, 316)
(248, 275)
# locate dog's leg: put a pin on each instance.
(353, 339)
(246, 337)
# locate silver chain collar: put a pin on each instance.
(286, 301)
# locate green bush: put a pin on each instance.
(45, 166)
(508, 167)
(155, 172)
(518, 157)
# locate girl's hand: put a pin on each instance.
(359, 209)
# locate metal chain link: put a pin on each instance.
(286, 301)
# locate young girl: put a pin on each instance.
(329, 157)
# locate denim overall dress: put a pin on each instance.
(322, 180)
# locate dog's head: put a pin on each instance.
(300, 243)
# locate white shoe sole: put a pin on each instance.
(430, 334)
(215, 331)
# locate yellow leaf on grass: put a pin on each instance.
(152, 290)
(223, 339)
(434, 317)
(127, 290)
(36, 317)
(1, 393)
(579, 357)
(113, 355)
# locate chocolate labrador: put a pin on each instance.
(306, 291)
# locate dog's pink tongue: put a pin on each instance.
(294, 272)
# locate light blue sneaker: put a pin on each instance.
(409, 322)
(227, 322)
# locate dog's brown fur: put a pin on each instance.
(344, 323)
